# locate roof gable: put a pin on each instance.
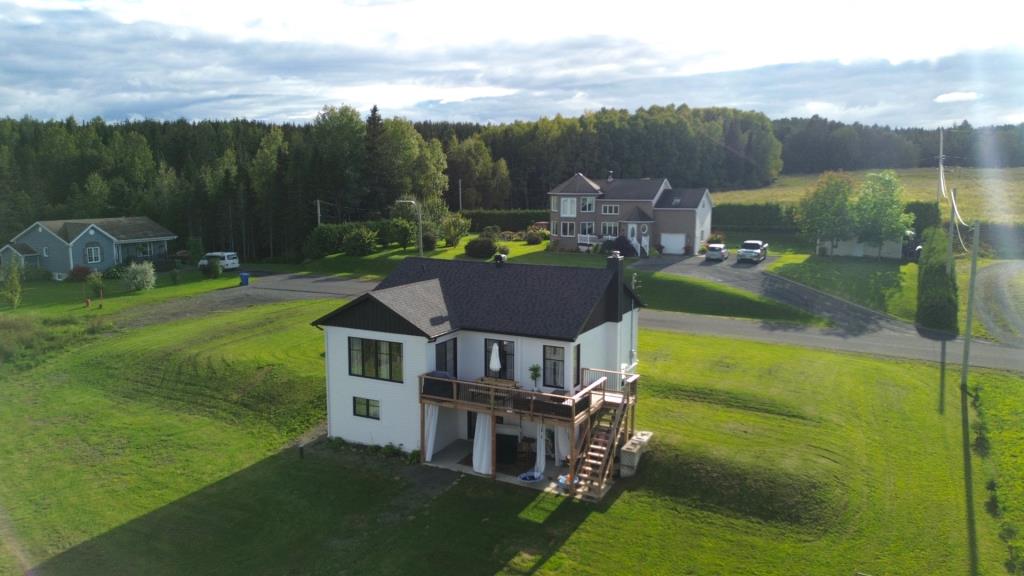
(124, 229)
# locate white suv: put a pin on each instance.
(228, 260)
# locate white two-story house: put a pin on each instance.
(438, 359)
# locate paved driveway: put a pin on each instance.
(846, 316)
(313, 285)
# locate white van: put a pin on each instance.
(228, 260)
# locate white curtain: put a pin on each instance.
(538, 466)
(561, 444)
(430, 428)
(482, 444)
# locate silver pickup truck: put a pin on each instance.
(752, 251)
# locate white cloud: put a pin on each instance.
(956, 97)
(691, 38)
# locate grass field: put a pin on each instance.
(62, 299)
(991, 194)
(886, 286)
(1001, 407)
(151, 451)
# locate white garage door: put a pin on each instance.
(673, 243)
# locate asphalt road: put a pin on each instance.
(880, 336)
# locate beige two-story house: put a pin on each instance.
(646, 211)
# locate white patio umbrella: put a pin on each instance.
(495, 363)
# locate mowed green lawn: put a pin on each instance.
(47, 298)
(156, 451)
(990, 194)
(884, 285)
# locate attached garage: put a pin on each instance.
(673, 243)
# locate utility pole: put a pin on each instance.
(952, 222)
(317, 201)
(941, 191)
(975, 241)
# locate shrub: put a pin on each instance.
(213, 269)
(504, 219)
(623, 246)
(482, 247)
(453, 228)
(142, 276)
(493, 232)
(926, 215)
(936, 290)
(716, 237)
(533, 238)
(34, 274)
(360, 241)
(165, 264)
(95, 282)
(10, 283)
(80, 273)
(429, 240)
(503, 249)
(325, 239)
(115, 272)
(607, 246)
(403, 232)
(195, 248)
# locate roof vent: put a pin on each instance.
(500, 259)
(610, 175)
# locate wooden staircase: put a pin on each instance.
(597, 458)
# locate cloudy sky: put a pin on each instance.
(889, 62)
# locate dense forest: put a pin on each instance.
(255, 187)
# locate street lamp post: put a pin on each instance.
(419, 218)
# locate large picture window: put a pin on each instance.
(506, 357)
(554, 366)
(375, 359)
(93, 255)
(587, 204)
(609, 228)
(568, 208)
(568, 228)
(366, 408)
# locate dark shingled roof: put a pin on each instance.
(617, 189)
(23, 249)
(441, 296)
(681, 198)
(637, 215)
(125, 228)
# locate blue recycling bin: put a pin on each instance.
(243, 279)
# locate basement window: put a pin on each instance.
(366, 408)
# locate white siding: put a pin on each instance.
(703, 230)
(399, 422)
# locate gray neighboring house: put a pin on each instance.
(648, 212)
(99, 243)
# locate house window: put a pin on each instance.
(554, 366)
(92, 255)
(568, 208)
(506, 357)
(586, 227)
(610, 209)
(144, 250)
(568, 228)
(609, 228)
(366, 408)
(375, 359)
(554, 203)
(587, 204)
(446, 357)
(46, 252)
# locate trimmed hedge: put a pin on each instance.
(936, 290)
(767, 216)
(926, 215)
(505, 219)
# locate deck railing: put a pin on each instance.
(617, 380)
(512, 399)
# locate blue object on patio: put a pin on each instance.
(243, 279)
